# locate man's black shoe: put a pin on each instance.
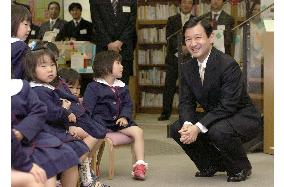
(163, 117)
(241, 176)
(206, 172)
(210, 172)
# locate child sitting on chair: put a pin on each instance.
(108, 101)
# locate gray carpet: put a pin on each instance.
(170, 167)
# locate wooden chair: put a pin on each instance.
(114, 140)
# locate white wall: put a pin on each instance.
(85, 9)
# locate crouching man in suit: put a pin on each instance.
(213, 139)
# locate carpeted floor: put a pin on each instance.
(170, 167)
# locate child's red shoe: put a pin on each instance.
(139, 171)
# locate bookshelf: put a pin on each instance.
(152, 18)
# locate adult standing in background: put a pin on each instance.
(174, 24)
(115, 26)
(54, 23)
(78, 28)
(223, 21)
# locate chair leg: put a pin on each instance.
(99, 158)
(111, 159)
(93, 162)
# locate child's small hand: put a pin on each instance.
(18, 134)
(73, 132)
(66, 104)
(81, 133)
(72, 118)
(80, 100)
(77, 132)
(38, 173)
(122, 122)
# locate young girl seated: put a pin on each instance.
(69, 80)
(63, 115)
(108, 101)
(44, 149)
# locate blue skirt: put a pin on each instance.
(51, 154)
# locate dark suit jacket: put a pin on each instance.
(59, 24)
(228, 21)
(223, 95)
(173, 25)
(83, 32)
(110, 28)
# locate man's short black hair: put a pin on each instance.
(205, 23)
(75, 5)
(53, 2)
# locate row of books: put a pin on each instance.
(156, 100)
(152, 35)
(157, 12)
(154, 76)
(163, 11)
(152, 56)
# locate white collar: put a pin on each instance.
(77, 21)
(16, 86)
(203, 64)
(117, 82)
(13, 40)
(53, 20)
(185, 15)
(35, 84)
(219, 12)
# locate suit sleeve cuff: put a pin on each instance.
(201, 127)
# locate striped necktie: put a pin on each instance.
(201, 73)
(52, 22)
(214, 22)
(114, 5)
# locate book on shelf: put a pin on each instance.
(149, 99)
(152, 56)
(157, 12)
(154, 77)
(152, 35)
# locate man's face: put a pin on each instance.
(185, 6)
(197, 42)
(53, 11)
(216, 5)
(76, 13)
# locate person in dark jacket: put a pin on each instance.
(115, 26)
(213, 139)
(78, 29)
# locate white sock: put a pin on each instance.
(141, 162)
(85, 173)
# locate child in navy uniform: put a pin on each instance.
(108, 101)
(44, 149)
(63, 115)
(69, 80)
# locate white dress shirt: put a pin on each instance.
(198, 124)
